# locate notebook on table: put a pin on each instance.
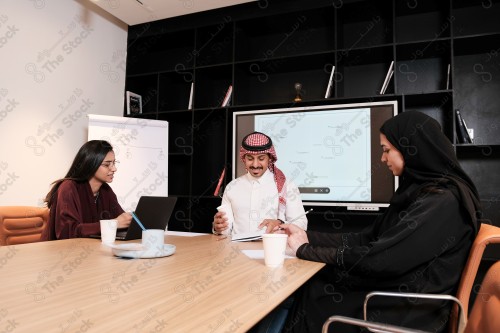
(153, 212)
(248, 236)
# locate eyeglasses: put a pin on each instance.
(109, 164)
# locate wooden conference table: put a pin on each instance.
(77, 285)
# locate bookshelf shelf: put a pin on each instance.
(435, 14)
(365, 24)
(288, 34)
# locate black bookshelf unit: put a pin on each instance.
(446, 56)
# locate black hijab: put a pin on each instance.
(430, 161)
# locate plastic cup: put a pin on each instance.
(108, 231)
(153, 240)
(226, 209)
(274, 249)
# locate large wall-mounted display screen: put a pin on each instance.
(332, 152)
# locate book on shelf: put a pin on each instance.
(468, 132)
(190, 103)
(462, 133)
(227, 98)
(448, 78)
(330, 84)
(388, 76)
(134, 103)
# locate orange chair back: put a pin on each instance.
(488, 234)
(485, 314)
(22, 224)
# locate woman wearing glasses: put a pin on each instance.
(79, 200)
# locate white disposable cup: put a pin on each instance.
(153, 240)
(229, 213)
(108, 231)
(274, 249)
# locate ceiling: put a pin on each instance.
(141, 11)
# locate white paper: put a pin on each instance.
(259, 254)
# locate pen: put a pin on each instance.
(137, 220)
(298, 217)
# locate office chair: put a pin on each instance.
(488, 234)
(484, 318)
(22, 224)
(485, 314)
(373, 326)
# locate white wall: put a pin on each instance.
(59, 61)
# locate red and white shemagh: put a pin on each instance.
(258, 143)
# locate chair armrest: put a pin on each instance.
(367, 324)
(462, 321)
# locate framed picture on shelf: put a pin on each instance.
(134, 103)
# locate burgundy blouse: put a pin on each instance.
(75, 211)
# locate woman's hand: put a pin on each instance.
(220, 222)
(124, 220)
(271, 225)
(296, 236)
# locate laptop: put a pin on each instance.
(153, 212)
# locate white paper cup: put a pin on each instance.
(274, 249)
(108, 231)
(153, 240)
(229, 213)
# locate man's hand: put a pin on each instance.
(271, 225)
(220, 222)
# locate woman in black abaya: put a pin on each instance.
(420, 244)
